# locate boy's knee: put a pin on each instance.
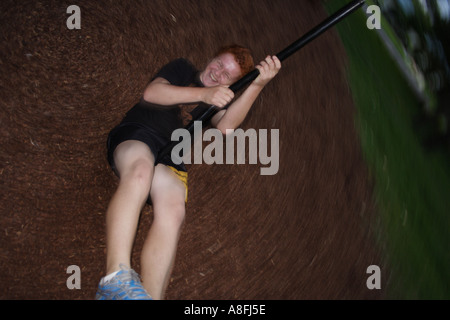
(171, 213)
(139, 173)
(178, 214)
(168, 196)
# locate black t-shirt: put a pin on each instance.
(165, 119)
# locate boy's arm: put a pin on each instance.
(233, 116)
(161, 92)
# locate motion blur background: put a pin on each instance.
(422, 28)
(400, 80)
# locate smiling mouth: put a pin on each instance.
(213, 78)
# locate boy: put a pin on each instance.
(133, 147)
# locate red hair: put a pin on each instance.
(242, 55)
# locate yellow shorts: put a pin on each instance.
(183, 176)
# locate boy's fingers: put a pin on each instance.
(260, 68)
(230, 94)
(277, 62)
(269, 60)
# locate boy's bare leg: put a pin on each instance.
(135, 164)
(159, 251)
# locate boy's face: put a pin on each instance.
(222, 70)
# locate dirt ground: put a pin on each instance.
(300, 234)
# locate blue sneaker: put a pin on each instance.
(125, 285)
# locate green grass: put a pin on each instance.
(412, 186)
